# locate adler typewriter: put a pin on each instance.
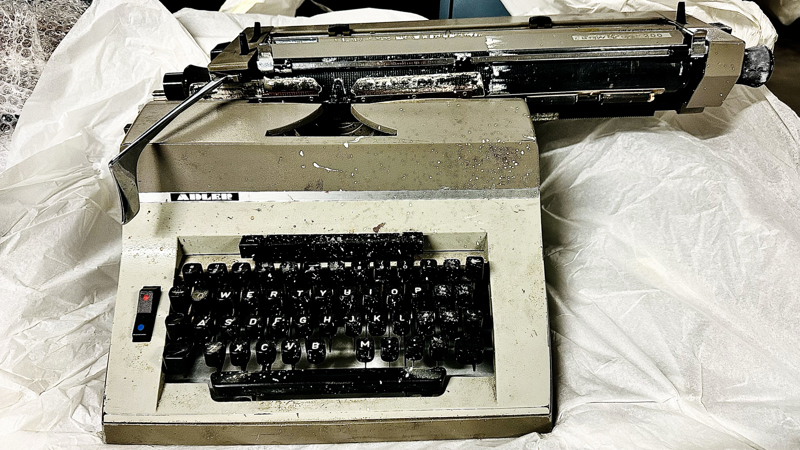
(332, 233)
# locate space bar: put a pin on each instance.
(323, 383)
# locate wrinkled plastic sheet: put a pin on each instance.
(671, 250)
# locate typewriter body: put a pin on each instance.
(338, 239)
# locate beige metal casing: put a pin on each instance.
(435, 144)
(497, 214)
(723, 67)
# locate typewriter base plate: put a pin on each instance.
(316, 433)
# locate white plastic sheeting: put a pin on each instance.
(273, 7)
(671, 253)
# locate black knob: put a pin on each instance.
(680, 14)
(256, 31)
(757, 66)
(177, 85)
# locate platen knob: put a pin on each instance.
(757, 66)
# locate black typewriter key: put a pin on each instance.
(360, 271)
(265, 272)
(383, 270)
(426, 323)
(394, 297)
(300, 300)
(353, 325)
(240, 353)
(314, 273)
(180, 298)
(347, 301)
(214, 354)
(200, 300)
(365, 350)
(291, 270)
(390, 349)
(428, 270)
(279, 326)
(371, 298)
(217, 273)
(472, 320)
(473, 268)
(204, 327)
(192, 274)
(273, 301)
(415, 345)
(420, 296)
(283, 247)
(249, 246)
(373, 290)
(451, 268)
(337, 272)
(178, 326)
(468, 350)
(401, 324)
(315, 351)
(323, 299)
(442, 294)
(266, 352)
(252, 300)
(291, 352)
(449, 320)
(437, 349)
(465, 294)
(254, 326)
(404, 269)
(376, 324)
(178, 357)
(241, 273)
(302, 326)
(224, 301)
(327, 326)
(229, 326)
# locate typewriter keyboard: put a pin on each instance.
(336, 315)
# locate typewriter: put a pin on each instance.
(332, 233)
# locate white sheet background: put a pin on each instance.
(672, 246)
